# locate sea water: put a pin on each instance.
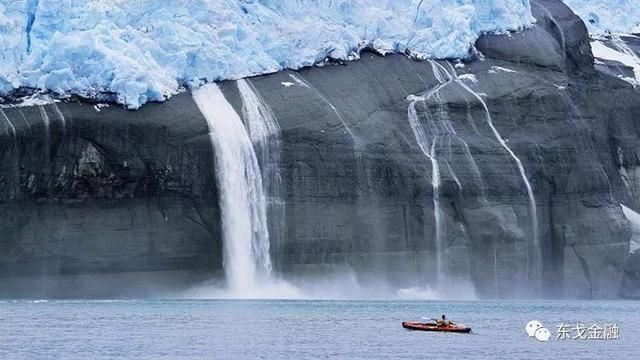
(305, 329)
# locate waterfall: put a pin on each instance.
(9, 125)
(45, 119)
(534, 256)
(474, 166)
(259, 119)
(454, 176)
(357, 144)
(11, 130)
(242, 201)
(63, 121)
(438, 128)
(47, 132)
(428, 146)
(264, 133)
(438, 125)
(444, 78)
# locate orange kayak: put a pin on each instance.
(433, 327)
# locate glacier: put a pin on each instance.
(608, 16)
(140, 51)
(607, 21)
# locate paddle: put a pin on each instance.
(429, 319)
(436, 320)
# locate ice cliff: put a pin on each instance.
(602, 16)
(141, 51)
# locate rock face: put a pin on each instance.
(105, 194)
(120, 203)
(627, 163)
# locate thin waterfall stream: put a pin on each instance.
(436, 129)
(533, 253)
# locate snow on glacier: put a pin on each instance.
(145, 50)
(622, 54)
(608, 20)
(608, 16)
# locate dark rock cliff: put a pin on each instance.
(111, 192)
(121, 203)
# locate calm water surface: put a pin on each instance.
(228, 329)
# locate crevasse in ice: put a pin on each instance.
(145, 50)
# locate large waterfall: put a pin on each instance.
(264, 133)
(242, 199)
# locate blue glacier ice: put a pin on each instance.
(608, 16)
(147, 50)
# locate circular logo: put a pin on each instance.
(532, 326)
(542, 334)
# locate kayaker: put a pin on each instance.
(443, 321)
